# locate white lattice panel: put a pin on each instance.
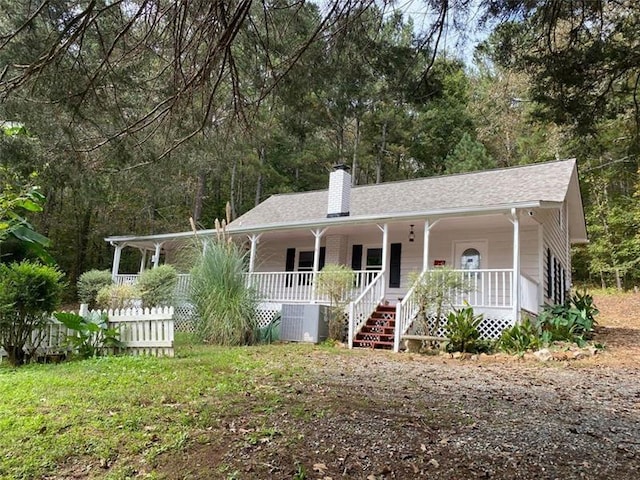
(266, 313)
(185, 318)
(491, 326)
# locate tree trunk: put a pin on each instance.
(199, 196)
(261, 157)
(84, 230)
(383, 148)
(618, 280)
(15, 355)
(232, 193)
(354, 163)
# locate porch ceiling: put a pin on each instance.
(174, 242)
(459, 224)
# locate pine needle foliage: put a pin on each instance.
(225, 305)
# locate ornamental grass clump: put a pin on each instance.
(225, 305)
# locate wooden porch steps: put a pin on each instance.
(378, 331)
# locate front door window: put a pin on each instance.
(470, 259)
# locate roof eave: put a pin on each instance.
(462, 211)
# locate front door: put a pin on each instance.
(470, 255)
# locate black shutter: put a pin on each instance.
(356, 257)
(290, 264)
(394, 265)
(323, 254)
(556, 283)
(549, 275)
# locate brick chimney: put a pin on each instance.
(339, 201)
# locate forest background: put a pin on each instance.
(133, 116)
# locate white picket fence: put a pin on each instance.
(143, 332)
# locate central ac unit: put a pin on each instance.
(304, 323)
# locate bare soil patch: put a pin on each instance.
(375, 415)
(619, 328)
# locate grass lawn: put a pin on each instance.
(303, 411)
(122, 412)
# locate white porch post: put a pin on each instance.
(425, 246)
(385, 255)
(516, 264)
(252, 254)
(316, 260)
(143, 260)
(540, 264)
(116, 260)
(156, 255)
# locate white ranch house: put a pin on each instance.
(507, 231)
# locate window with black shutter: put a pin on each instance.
(356, 258)
(395, 254)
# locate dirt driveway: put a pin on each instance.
(372, 415)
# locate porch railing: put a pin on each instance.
(365, 304)
(479, 288)
(282, 287)
(278, 287)
(126, 279)
(182, 284)
(406, 312)
(529, 299)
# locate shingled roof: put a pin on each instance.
(523, 186)
(529, 186)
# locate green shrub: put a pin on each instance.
(462, 331)
(224, 304)
(157, 286)
(93, 335)
(574, 321)
(586, 312)
(90, 283)
(29, 293)
(520, 338)
(336, 281)
(434, 291)
(117, 297)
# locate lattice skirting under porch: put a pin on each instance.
(185, 316)
(267, 312)
(491, 327)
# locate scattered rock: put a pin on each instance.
(543, 355)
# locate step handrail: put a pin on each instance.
(366, 303)
(406, 310)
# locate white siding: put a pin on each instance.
(554, 224)
(272, 255)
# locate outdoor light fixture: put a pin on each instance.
(412, 235)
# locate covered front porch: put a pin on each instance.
(498, 255)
